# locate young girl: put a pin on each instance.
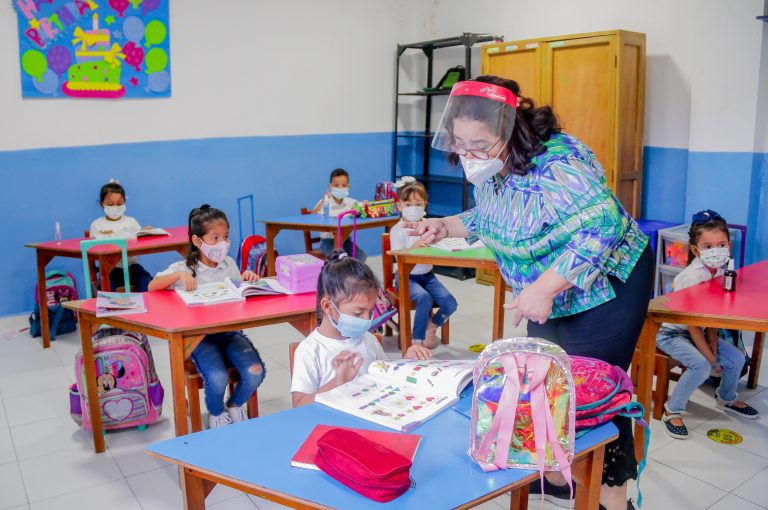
(700, 350)
(115, 224)
(208, 262)
(341, 348)
(426, 289)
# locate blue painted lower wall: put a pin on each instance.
(163, 181)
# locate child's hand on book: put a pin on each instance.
(418, 351)
(347, 365)
(249, 276)
(188, 280)
(147, 227)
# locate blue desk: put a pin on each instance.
(317, 223)
(254, 457)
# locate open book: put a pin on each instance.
(119, 303)
(456, 244)
(152, 232)
(400, 394)
(226, 291)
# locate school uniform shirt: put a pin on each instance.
(695, 273)
(334, 209)
(227, 268)
(399, 240)
(313, 359)
(124, 228)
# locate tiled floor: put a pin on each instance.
(46, 461)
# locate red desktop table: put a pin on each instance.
(107, 255)
(184, 327)
(706, 305)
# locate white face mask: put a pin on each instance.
(480, 170)
(413, 213)
(715, 258)
(114, 212)
(340, 193)
(216, 252)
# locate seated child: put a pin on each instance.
(116, 225)
(426, 289)
(701, 350)
(339, 201)
(208, 262)
(341, 348)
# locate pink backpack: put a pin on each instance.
(130, 394)
(523, 407)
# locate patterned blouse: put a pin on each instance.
(561, 215)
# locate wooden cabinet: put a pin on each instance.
(595, 84)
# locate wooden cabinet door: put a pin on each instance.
(519, 61)
(579, 82)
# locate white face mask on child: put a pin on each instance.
(715, 258)
(114, 212)
(216, 252)
(413, 213)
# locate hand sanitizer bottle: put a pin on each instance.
(326, 207)
(57, 232)
(729, 277)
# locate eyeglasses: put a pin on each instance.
(476, 153)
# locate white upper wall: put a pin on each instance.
(239, 68)
(703, 56)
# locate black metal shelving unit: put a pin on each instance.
(428, 48)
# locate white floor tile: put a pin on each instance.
(3, 419)
(113, 495)
(239, 503)
(275, 406)
(276, 384)
(37, 406)
(222, 494)
(731, 502)
(7, 451)
(265, 504)
(64, 472)
(666, 488)
(13, 341)
(722, 466)
(275, 356)
(50, 436)
(277, 334)
(754, 432)
(12, 493)
(157, 489)
(31, 372)
(127, 446)
(754, 489)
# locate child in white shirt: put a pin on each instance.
(339, 201)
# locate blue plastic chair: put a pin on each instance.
(87, 244)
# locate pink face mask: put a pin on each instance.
(216, 252)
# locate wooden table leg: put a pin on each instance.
(589, 475)
(271, 232)
(42, 261)
(306, 324)
(519, 499)
(106, 264)
(499, 294)
(644, 390)
(404, 313)
(176, 347)
(91, 393)
(754, 364)
(192, 489)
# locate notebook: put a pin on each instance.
(456, 244)
(401, 394)
(152, 232)
(227, 291)
(119, 303)
(404, 444)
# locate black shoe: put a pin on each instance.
(558, 495)
(630, 506)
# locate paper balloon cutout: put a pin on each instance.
(149, 5)
(135, 3)
(48, 84)
(134, 55)
(59, 59)
(120, 6)
(133, 29)
(155, 33)
(34, 64)
(156, 59)
(159, 82)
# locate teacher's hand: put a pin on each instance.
(532, 304)
(430, 230)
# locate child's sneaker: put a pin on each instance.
(238, 414)
(431, 341)
(219, 420)
(738, 408)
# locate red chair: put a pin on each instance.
(245, 249)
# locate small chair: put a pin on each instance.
(310, 240)
(387, 267)
(87, 267)
(662, 369)
(94, 270)
(245, 249)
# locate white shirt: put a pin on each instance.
(695, 273)
(334, 209)
(227, 268)
(313, 359)
(399, 240)
(124, 228)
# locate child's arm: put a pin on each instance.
(697, 335)
(347, 365)
(249, 276)
(711, 334)
(165, 281)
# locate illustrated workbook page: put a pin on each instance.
(446, 376)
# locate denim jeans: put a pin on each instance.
(327, 246)
(677, 344)
(213, 357)
(427, 291)
(137, 275)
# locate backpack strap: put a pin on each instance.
(507, 407)
(58, 313)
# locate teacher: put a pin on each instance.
(579, 267)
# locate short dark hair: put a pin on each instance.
(343, 277)
(338, 172)
(716, 222)
(111, 187)
(200, 219)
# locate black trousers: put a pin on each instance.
(609, 332)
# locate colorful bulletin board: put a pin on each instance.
(105, 49)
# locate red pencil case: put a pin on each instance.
(366, 467)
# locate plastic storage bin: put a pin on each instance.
(298, 273)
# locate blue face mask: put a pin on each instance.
(340, 193)
(350, 326)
